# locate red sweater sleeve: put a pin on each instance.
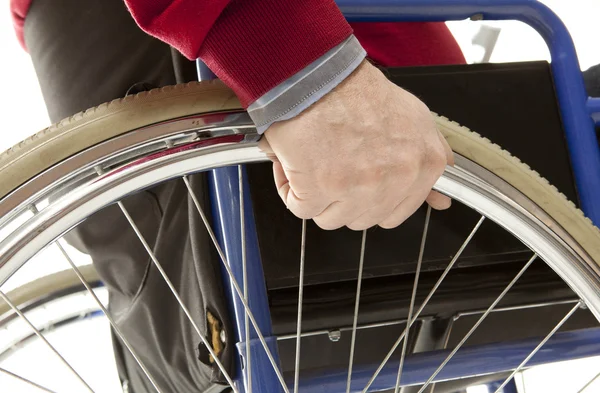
(252, 45)
(18, 12)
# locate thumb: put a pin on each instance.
(266, 148)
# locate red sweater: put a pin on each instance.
(253, 45)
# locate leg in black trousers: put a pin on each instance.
(87, 53)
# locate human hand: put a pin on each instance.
(368, 153)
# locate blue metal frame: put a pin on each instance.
(469, 361)
(578, 114)
(225, 197)
(594, 108)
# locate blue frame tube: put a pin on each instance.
(224, 192)
(593, 105)
(568, 80)
(469, 361)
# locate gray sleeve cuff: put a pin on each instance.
(291, 97)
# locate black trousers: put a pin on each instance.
(86, 53)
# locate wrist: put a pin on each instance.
(296, 94)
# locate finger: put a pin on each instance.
(336, 215)
(280, 178)
(307, 207)
(438, 201)
(371, 217)
(266, 148)
(404, 210)
(448, 149)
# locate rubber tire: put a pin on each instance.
(83, 130)
(47, 285)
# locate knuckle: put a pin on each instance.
(369, 181)
(439, 163)
(405, 176)
(408, 162)
(423, 109)
(436, 160)
(399, 177)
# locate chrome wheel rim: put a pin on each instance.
(71, 191)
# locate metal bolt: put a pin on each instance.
(223, 336)
(99, 170)
(335, 335)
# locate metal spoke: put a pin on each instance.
(587, 385)
(25, 380)
(41, 337)
(479, 321)
(427, 299)
(112, 322)
(412, 298)
(176, 294)
(235, 284)
(540, 345)
(356, 306)
(245, 277)
(300, 296)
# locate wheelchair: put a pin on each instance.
(505, 280)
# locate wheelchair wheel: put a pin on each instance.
(61, 176)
